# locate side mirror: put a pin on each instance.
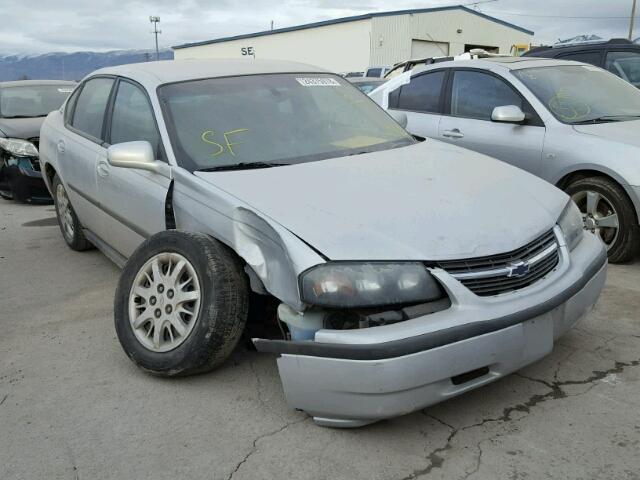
(138, 155)
(399, 117)
(508, 114)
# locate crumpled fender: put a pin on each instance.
(273, 253)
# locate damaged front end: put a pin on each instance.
(348, 363)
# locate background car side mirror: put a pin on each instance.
(137, 155)
(508, 114)
(399, 117)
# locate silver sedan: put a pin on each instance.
(219, 183)
(575, 125)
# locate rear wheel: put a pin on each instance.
(608, 212)
(181, 304)
(68, 222)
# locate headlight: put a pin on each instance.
(572, 225)
(18, 147)
(349, 285)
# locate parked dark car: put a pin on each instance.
(23, 107)
(620, 56)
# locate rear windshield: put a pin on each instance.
(32, 100)
(280, 118)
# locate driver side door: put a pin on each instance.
(471, 98)
(133, 199)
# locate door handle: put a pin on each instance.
(102, 168)
(61, 146)
(455, 133)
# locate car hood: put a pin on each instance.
(627, 133)
(21, 127)
(429, 201)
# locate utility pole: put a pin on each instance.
(155, 20)
(631, 22)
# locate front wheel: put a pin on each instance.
(608, 212)
(181, 304)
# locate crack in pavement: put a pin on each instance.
(4, 398)
(254, 446)
(436, 460)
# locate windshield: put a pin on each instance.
(582, 93)
(32, 100)
(273, 119)
(625, 65)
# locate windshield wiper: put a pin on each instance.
(605, 119)
(241, 166)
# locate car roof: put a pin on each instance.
(170, 71)
(26, 83)
(553, 50)
(510, 63)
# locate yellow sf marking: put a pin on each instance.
(228, 143)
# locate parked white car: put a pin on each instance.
(575, 125)
(401, 277)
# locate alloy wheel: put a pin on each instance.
(599, 215)
(64, 212)
(164, 302)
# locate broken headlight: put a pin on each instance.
(19, 147)
(572, 225)
(351, 284)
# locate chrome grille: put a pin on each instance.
(495, 274)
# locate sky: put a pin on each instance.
(41, 26)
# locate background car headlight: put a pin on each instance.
(19, 147)
(572, 225)
(349, 284)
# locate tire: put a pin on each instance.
(6, 196)
(209, 327)
(70, 226)
(611, 199)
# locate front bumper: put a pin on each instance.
(24, 183)
(354, 377)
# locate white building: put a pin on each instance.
(374, 39)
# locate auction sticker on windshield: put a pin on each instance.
(318, 82)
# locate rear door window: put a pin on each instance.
(592, 58)
(421, 94)
(88, 116)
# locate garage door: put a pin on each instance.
(427, 48)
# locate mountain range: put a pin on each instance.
(70, 66)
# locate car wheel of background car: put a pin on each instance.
(181, 304)
(70, 226)
(609, 213)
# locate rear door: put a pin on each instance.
(472, 96)
(422, 100)
(82, 146)
(134, 200)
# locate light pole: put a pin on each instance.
(631, 22)
(155, 20)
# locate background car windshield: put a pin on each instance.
(33, 100)
(367, 87)
(625, 65)
(282, 118)
(580, 93)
